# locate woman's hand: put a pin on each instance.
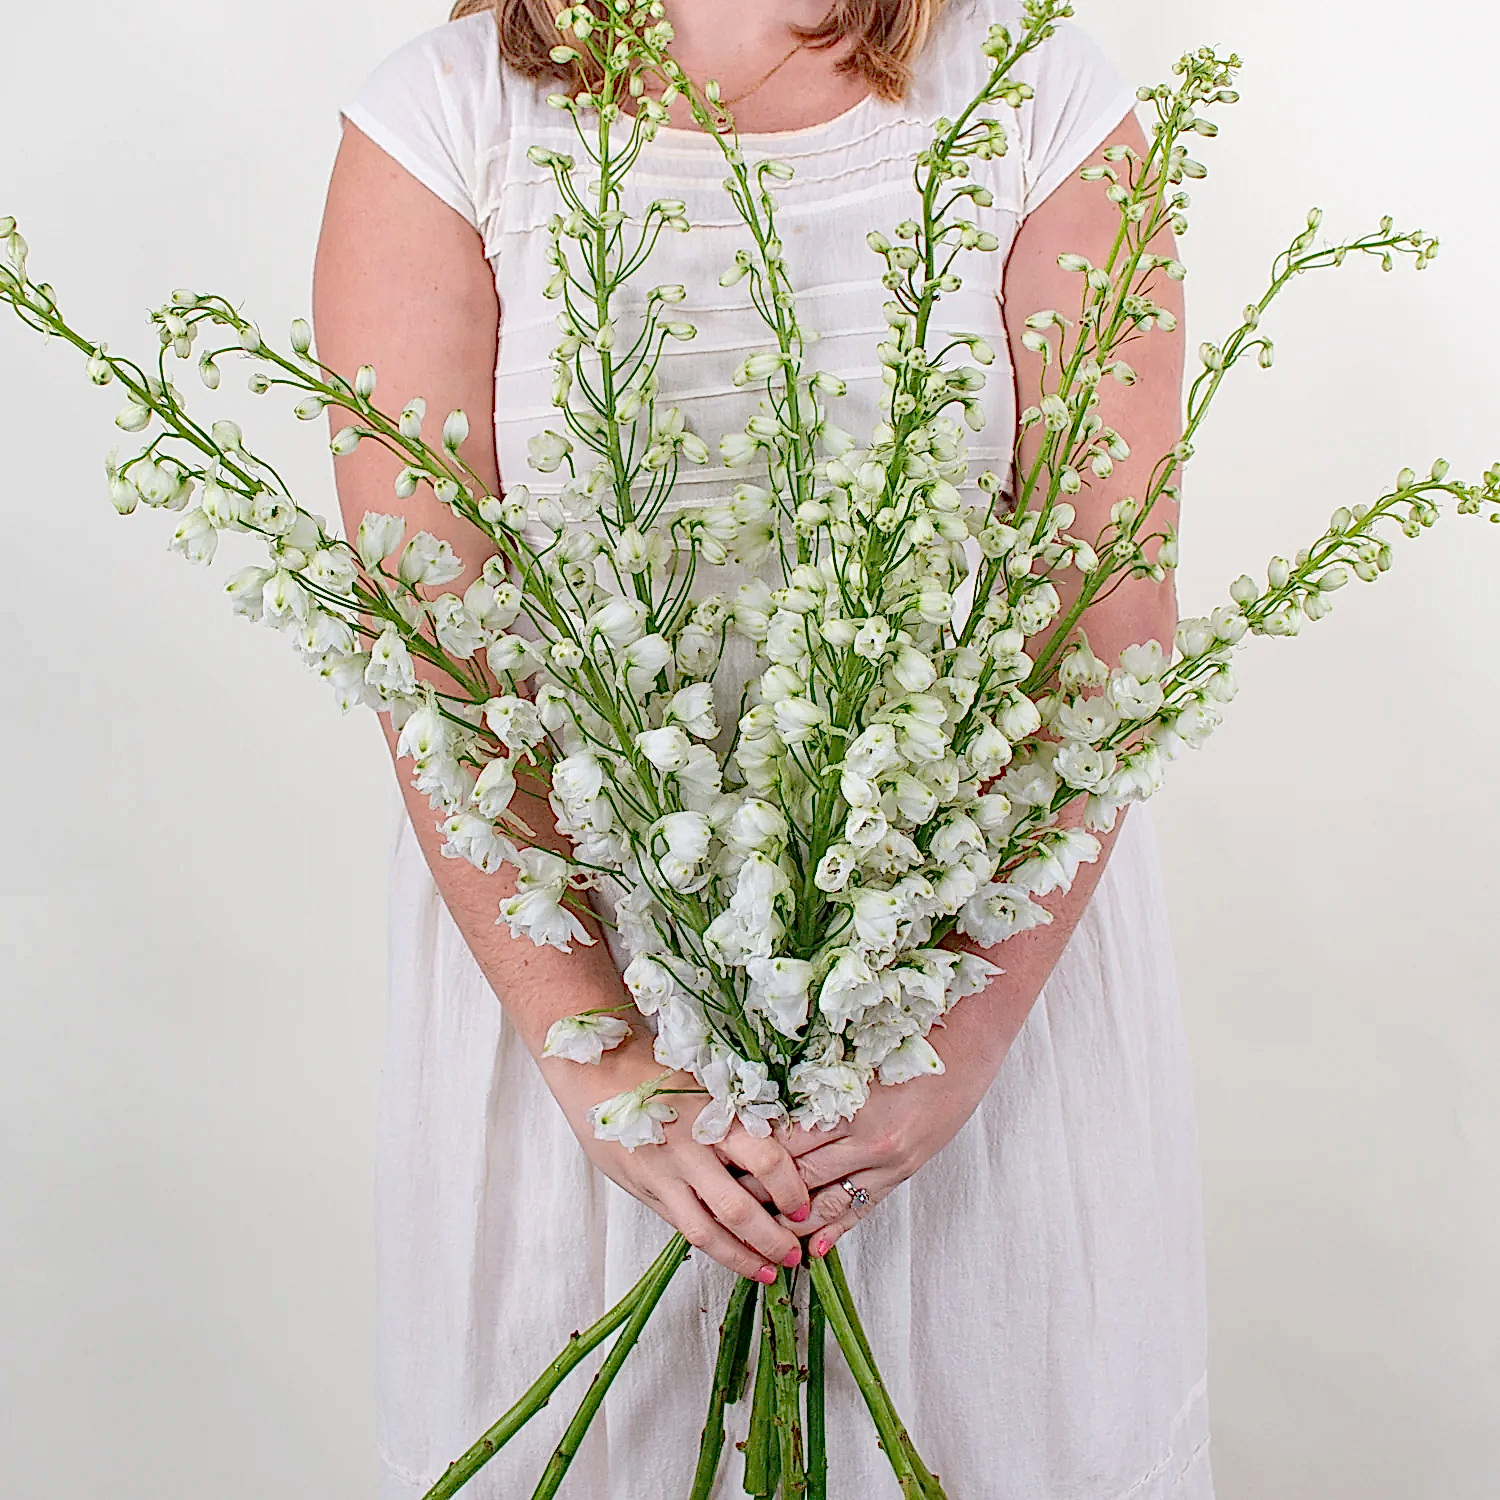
(898, 1131)
(689, 1185)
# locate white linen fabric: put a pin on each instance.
(1034, 1294)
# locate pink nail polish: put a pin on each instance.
(802, 1213)
(820, 1248)
(793, 1258)
(766, 1275)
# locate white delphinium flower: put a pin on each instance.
(1054, 862)
(390, 669)
(471, 836)
(999, 911)
(428, 560)
(851, 987)
(378, 536)
(536, 911)
(686, 837)
(740, 1090)
(585, 1038)
(618, 623)
(457, 631)
(682, 1034)
(778, 991)
(495, 788)
(667, 749)
(693, 708)
(915, 1057)
(650, 983)
(514, 722)
(634, 1118)
(824, 1093)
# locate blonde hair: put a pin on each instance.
(883, 37)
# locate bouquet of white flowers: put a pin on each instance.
(927, 746)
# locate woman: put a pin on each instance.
(1031, 1278)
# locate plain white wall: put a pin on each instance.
(192, 878)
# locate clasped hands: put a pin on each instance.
(754, 1204)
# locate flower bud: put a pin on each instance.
(364, 382)
(301, 335)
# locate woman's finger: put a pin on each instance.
(841, 1214)
(834, 1162)
(770, 1163)
(743, 1217)
(682, 1208)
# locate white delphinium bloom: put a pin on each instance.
(585, 1038)
(618, 623)
(536, 911)
(682, 1034)
(851, 987)
(835, 868)
(495, 788)
(634, 1118)
(970, 976)
(643, 661)
(914, 1057)
(470, 836)
(778, 991)
(873, 752)
(457, 631)
(377, 538)
(877, 917)
(693, 708)
(514, 722)
(1083, 767)
(998, 912)
(826, 1092)
(428, 560)
(750, 927)
(686, 836)
(667, 749)
(740, 1090)
(390, 669)
(346, 674)
(650, 983)
(1086, 719)
(1054, 863)
(195, 537)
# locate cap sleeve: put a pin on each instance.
(1080, 98)
(431, 106)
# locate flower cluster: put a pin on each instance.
(923, 710)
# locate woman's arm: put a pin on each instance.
(402, 284)
(901, 1127)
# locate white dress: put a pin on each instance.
(1034, 1294)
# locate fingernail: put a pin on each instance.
(802, 1213)
(820, 1248)
(766, 1275)
(792, 1258)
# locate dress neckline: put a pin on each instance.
(845, 116)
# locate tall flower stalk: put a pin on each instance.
(903, 762)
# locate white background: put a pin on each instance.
(191, 892)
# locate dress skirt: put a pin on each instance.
(1033, 1295)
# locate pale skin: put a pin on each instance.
(402, 283)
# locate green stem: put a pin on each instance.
(784, 1370)
(729, 1374)
(762, 1458)
(653, 1284)
(817, 1425)
(579, 1346)
(916, 1482)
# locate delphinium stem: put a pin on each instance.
(787, 1387)
(729, 1379)
(833, 1291)
(649, 1294)
(817, 1430)
(579, 1346)
(762, 1456)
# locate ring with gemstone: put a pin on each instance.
(858, 1197)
